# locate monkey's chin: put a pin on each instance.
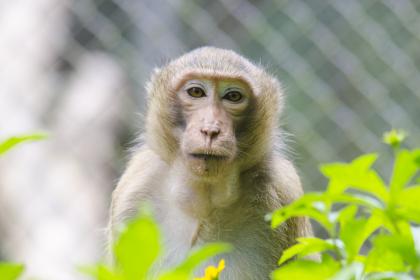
(207, 165)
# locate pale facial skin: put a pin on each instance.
(212, 109)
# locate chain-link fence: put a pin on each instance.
(351, 70)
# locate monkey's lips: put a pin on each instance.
(208, 163)
(209, 156)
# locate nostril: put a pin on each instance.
(214, 133)
(211, 132)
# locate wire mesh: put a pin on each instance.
(351, 70)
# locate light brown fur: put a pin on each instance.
(193, 208)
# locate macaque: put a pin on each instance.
(212, 164)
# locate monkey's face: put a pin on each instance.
(212, 111)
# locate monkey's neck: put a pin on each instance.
(200, 196)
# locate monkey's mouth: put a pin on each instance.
(204, 156)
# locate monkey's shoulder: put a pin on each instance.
(143, 165)
(273, 183)
(144, 170)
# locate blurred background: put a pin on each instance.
(76, 70)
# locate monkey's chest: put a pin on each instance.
(252, 257)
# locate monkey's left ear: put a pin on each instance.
(156, 71)
(149, 85)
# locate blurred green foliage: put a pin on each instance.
(357, 209)
(11, 271)
(11, 142)
(139, 246)
(368, 222)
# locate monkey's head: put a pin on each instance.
(213, 109)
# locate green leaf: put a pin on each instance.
(408, 204)
(10, 271)
(185, 269)
(347, 214)
(307, 205)
(357, 175)
(101, 272)
(391, 253)
(409, 197)
(137, 247)
(306, 246)
(405, 167)
(307, 270)
(15, 140)
(350, 272)
(355, 231)
(314, 205)
(380, 260)
(360, 164)
(394, 138)
(357, 199)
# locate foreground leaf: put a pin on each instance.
(307, 270)
(10, 271)
(391, 253)
(405, 167)
(15, 140)
(408, 204)
(308, 205)
(350, 272)
(355, 231)
(306, 246)
(357, 175)
(138, 247)
(101, 272)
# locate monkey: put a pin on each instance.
(212, 164)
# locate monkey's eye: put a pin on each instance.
(196, 92)
(233, 96)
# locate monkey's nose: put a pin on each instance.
(210, 131)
